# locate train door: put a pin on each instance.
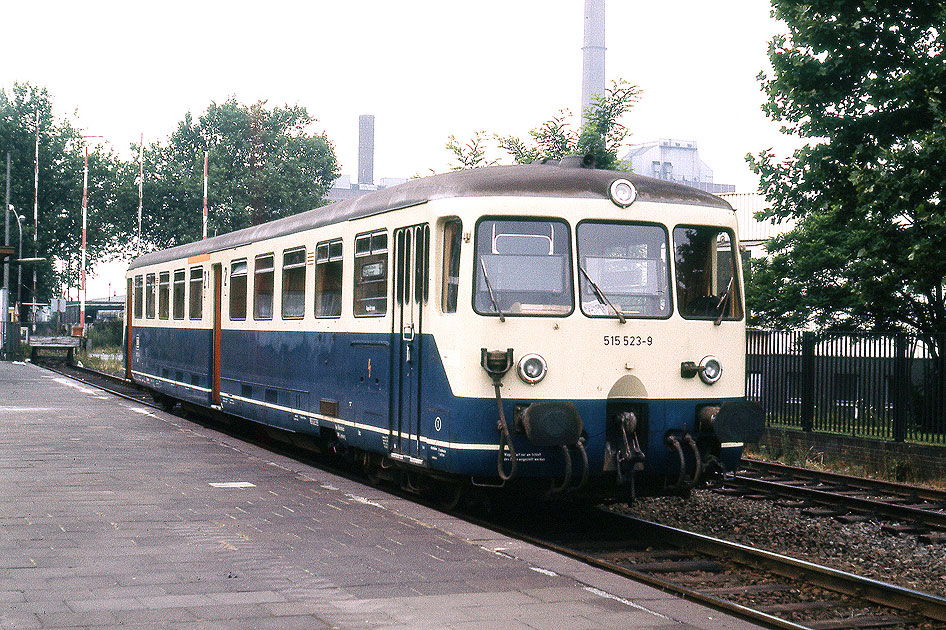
(411, 257)
(217, 273)
(129, 298)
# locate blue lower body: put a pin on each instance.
(354, 388)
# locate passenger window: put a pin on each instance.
(149, 295)
(164, 294)
(451, 265)
(328, 279)
(293, 283)
(197, 293)
(139, 296)
(179, 283)
(263, 282)
(371, 274)
(238, 289)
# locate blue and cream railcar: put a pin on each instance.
(550, 327)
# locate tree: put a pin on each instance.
(601, 135)
(263, 164)
(59, 203)
(863, 83)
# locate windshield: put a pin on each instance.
(629, 265)
(707, 283)
(522, 267)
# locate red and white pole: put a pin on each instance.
(85, 196)
(141, 179)
(205, 195)
(35, 220)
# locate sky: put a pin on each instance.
(426, 69)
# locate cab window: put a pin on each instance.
(706, 273)
(522, 267)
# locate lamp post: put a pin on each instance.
(19, 280)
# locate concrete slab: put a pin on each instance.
(112, 515)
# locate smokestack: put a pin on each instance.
(592, 54)
(366, 149)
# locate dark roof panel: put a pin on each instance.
(531, 180)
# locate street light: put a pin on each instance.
(20, 260)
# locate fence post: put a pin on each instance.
(807, 381)
(901, 382)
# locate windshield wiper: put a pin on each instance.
(489, 289)
(722, 303)
(600, 295)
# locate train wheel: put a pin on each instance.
(449, 496)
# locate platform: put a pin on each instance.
(114, 515)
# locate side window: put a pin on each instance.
(263, 283)
(328, 279)
(179, 283)
(149, 295)
(451, 265)
(293, 283)
(164, 294)
(197, 293)
(139, 296)
(238, 289)
(371, 274)
(706, 274)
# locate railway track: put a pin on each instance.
(911, 509)
(772, 590)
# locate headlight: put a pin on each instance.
(710, 370)
(622, 192)
(532, 368)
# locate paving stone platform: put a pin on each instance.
(117, 516)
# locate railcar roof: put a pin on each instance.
(531, 180)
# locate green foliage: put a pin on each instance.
(61, 155)
(863, 83)
(601, 135)
(263, 165)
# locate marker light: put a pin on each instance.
(532, 368)
(710, 369)
(622, 192)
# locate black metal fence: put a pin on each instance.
(889, 387)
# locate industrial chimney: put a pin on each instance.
(592, 75)
(366, 150)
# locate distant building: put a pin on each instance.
(343, 189)
(676, 161)
(752, 232)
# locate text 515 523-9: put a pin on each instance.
(628, 340)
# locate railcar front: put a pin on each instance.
(593, 344)
(562, 331)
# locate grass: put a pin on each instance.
(106, 359)
(890, 469)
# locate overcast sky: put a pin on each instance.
(425, 69)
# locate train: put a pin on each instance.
(548, 330)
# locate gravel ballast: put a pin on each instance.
(862, 548)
